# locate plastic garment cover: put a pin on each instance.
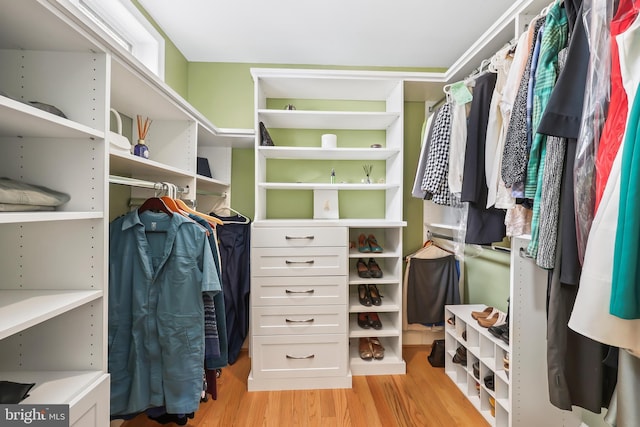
(597, 15)
(616, 121)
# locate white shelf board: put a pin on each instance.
(387, 330)
(318, 153)
(54, 387)
(212, 185)
(53, 34)
(299, 119)
(354, 223)
(19, 119)
(321, 186)
(443, 226)
(132, 93)
(124, 164)
(326, 84)
(354, 253)
(356, 307)
(386, 279)
(20, 217)
(226, 137)
(22, 309)
(391, 364)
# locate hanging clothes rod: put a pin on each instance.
(211, 193)
(134, 182)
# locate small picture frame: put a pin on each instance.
(325, 204)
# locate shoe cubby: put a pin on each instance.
(392, 357)
(483, 349)
(389, 286)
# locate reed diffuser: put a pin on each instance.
(141, 149)
(367, 172)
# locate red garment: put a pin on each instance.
(616, 121)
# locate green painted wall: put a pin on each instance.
(414, 114)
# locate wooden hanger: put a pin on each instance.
(155, 204)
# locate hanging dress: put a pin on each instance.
(591, 314)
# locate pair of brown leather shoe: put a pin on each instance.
(370, 348)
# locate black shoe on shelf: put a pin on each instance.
(505, 336)
(374, 294)
(364, 296)
(497, 331)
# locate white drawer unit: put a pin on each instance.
(311, 290)
(301, 356)
(297, 237)
(320, 319)
(299, 314)
(320, 261)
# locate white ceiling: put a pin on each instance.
(389, 33)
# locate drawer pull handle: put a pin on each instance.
(310, 291)
(300, 321)
(300, 237)
(311, 356)
(299, 262)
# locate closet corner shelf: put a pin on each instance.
(125, 164)
(54, 387)
(355, 120)
(319, 153)
(22, 309)
(20, 217)
(19, 119)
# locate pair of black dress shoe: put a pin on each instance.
(460, 356)
(501, 332)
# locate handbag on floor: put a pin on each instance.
(436, 358)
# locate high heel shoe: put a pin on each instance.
(374, 321)
(363, 244)
(363, 321)
(364, 349)
(363, 270)
(374, 269)
(364, 296)
(373, 244)
(374, 295)
(376, 348)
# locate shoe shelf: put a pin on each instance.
(484, 351)
(391, 364)
(390, 326)
(387, 277)
(391, 300)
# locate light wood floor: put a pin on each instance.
(424, 397)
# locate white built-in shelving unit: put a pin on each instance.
(54, 292)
